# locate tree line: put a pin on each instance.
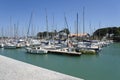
(109, 33)
(51, 34)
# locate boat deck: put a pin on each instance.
(64, 52)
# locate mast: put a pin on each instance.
(77, 28)
(66, 28)
(9, 30)
(83, 21)
(66, 21)
(90, 30)
(53, 28)
(46, 23)
(2, 33)
(99, 30)
(53, 34)
(29, 24)
(17, 31)
(66, 25)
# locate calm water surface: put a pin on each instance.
(104, 66)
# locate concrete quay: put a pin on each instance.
(11, 69)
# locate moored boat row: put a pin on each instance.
(65, 47)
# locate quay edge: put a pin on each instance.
(11, 69)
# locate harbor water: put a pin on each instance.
(103, 66)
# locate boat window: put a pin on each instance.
(38, 47)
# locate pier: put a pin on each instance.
(11, 69)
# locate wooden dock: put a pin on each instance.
(11, 69)
(64, 52)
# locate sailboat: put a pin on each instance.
(1, 41)
(86, 47)
(10, 46)
(68, 49)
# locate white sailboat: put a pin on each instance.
(2, 40)
(9, 45)
(1, 45)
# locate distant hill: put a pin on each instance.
(109, 33)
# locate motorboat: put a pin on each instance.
(36, 49)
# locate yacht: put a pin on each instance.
(36, 49)
(10, 46)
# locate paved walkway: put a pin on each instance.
(11, 69)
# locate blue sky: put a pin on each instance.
(17, 12)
